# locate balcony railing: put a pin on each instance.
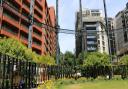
(37, 34)
(12, 5)
(38, 24)
(12, 18)
(38, 3)
(38, 9)
(23, 38)
(37, 18)
(36, 43)
(11, 9)
(27, 28)
(10, 30)
(28, 7)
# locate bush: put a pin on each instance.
(96, 59)
(124, 60)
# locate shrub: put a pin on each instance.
(124, 60)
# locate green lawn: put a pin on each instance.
(96, 84)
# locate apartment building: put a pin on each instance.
(95, 36)
(111, 28)
(121, 33)
(15, 22)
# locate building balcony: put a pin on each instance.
(24, 29)
(12, 5)
(24, 18)
(38, 10)
(36, 36)
(11, 10)
(91, 37)
(18, 2)
(38, 24)
(26, 8)
(36, 46)
(7, 33)
(91, 48)
(37, 28)
(10, 20)
(91, 42)
(24, 40)
(39, 3)
(28, 1)
(37, 18)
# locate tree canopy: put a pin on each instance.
(96, 59)
(67, 58)
(15, 48)
(124, 60)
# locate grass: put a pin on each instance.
(89, 84)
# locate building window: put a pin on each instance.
(87, 12)
(103, 37)
(98, 42)
(95, 14)
(125, 36)
(103, 48)
(103, 43)
(90, 28)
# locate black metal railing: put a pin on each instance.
(23, 74)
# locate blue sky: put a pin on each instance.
(67, 9)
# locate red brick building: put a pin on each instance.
(14, 23)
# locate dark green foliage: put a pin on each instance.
(67, 59)
(124, 60)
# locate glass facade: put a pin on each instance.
(91, 38)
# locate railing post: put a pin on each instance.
(3, 76)
(0, 70)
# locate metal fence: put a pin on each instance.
(95, 71)
(23, 74)
(19, 74)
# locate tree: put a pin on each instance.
(82, 56)
(15, 48)
(124, 60)
(46, 60)
(67, 58)
(61, 59)
(96, 59)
